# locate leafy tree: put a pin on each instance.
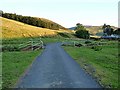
(81, 32)
(1, 13)
(110, 31)
(20, 18)
(13, 16)
(107, 29)
(79, 27)
(104, 26)
(117, 31)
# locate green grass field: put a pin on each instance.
(101, 64)
(14, 65)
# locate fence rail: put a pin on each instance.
(32, 44)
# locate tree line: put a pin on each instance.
(81, 32)
(108, 30)
(33, 21)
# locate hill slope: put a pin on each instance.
(15, 29)
(94, 30)
(39, 22)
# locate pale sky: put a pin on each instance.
(66, 12)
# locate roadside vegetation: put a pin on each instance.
(16, 59)
(99, 59)
(17, 56)
(14, 65)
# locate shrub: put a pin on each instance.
(66, 35)
(87, 42)
(10, 48)
(82, 34)
(96, 48)
(78, 45)
(117, 31)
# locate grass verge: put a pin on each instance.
(102, 64)
(14, 64)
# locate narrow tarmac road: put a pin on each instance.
(54, 68)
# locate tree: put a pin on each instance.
(107, 29)
(81, 32)
(110, 31)
(79, 27)
(1, 13)
(13, 16)
(117, 32)
(104, 26)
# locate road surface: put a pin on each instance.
(54, 68)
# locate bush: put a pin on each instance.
(117, 31)
(78, 45)
(66, 35)
(82, 34)
(10, 48)
(96, 48)
(87, 42)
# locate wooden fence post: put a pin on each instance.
(32, 44)
(74, 43)
(41, 43)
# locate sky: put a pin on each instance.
(66, 12)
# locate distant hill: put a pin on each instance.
(35, 21)
(15, 29)
(94, 30)
(72, 28)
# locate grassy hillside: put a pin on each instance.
(15, 29)
(39, 22)
(49, 21)
(94, 30)
(97, 30)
